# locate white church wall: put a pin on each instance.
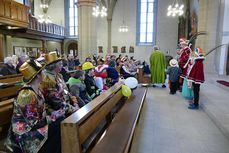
(166, 36)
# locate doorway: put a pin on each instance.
(73, 48)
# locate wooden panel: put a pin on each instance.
(69, 139)
(14, 12)
(7, 8)
(6, 109)
(92, 122)
(24, 14)
(19, 12)
(2, 10)
(1, 46)
(13, 80)
(8, 92)
(10, 76)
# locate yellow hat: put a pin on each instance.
(30, 69)
(87, 66)
(51, 57)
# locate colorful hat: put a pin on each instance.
(199, 51)
(173, 62)
(87, 66)
(30, 69)
(51, 57)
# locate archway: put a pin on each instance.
(73, 48)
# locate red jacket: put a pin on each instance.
(196, 73)
(183, 59)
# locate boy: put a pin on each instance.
(78, 88)
(174, 73)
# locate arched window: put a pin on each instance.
(73, 18)
(146, 22)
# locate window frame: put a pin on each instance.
(67, 19)
(138, 30)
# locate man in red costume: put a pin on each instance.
(184, 56)
(196, 76)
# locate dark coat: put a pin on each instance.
(91, 88)
(8, 70)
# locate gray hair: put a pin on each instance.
(155, 47)
(8, 60)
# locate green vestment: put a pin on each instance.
(157, 67)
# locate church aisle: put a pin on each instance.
(166, 125)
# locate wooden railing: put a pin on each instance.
(47, 28)
(13, 13)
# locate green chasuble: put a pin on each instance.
(157, 67)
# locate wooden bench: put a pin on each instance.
(10, 76)
(143, 78)
(109, 112)
(9, 86)
(6, 110)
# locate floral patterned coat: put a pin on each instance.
(29, 129)
(56, 93)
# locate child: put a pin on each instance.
(89, 81)
(78, 88)
(112, 73)
(174, 73)
(196, 76)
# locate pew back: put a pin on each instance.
(6, 110)
(78, 127)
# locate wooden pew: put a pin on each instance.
(10, 76)
(83, 125)
(142, 78)
(10, 85)
(6, 110)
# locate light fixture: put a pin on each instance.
(44, 18)
(44, 6)
(175, 9)
(123, 27)
(99, 10)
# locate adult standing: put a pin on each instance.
(30, 130)
(157, 67)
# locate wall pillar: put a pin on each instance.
(87, 44)
(109, 36)
(208, 21)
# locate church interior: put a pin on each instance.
(114, 76)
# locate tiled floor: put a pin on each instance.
(167, 126)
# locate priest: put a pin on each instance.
(157, 67)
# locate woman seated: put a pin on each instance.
(8, 68)
(125, 72)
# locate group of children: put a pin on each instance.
(188, 72)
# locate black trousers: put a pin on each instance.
(196, 91)
(173, 87)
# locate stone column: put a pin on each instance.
(109, 35)
(87, 34)
(208, 17)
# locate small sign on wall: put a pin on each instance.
(123, 49)
(115, 49)
(100, 49)
(131, 49)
